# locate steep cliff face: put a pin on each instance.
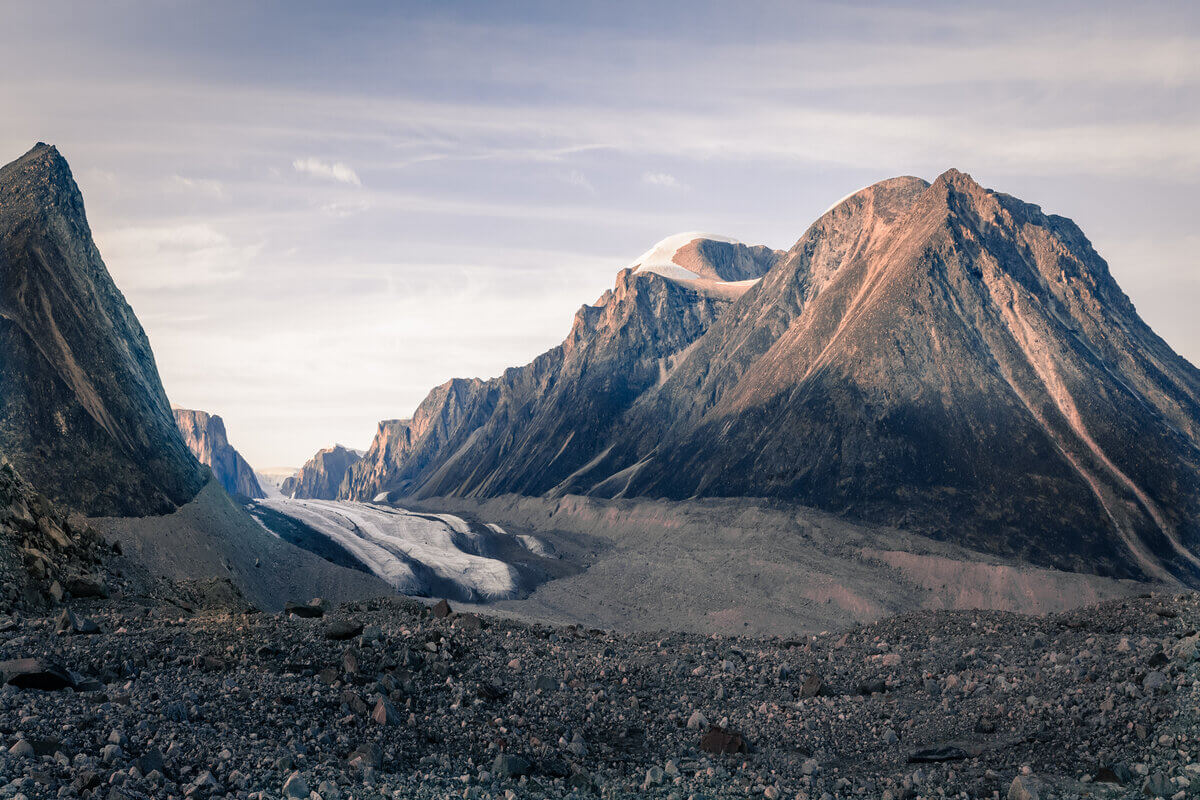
(535, 426)
(83, 415)
(321, 475)
(205, 436)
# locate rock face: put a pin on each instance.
(939, 357)
(83, 415)
(205, 436)
(322, 475)
(535, 427)
(43, 556)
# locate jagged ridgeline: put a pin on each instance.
(83, 415)
(940, 357)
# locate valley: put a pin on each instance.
(908, 510)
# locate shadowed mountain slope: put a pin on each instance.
(322, 475)
(83, 415)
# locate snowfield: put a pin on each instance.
(418, 554)
(660, 260)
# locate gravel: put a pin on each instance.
(1098, 702)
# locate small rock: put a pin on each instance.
(718, 740)
(342, 629)
(22, 749)
(69, 623)
(510, 766)
(1023, 788)
(812, 686)
(385, 713)
(943, 752)
(304, 610)
(441, 609)
(295, 788)
(367, 754)
(697, 721)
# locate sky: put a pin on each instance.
(319, 211)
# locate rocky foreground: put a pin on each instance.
(391, 698)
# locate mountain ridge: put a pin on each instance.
(936, 356)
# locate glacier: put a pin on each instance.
(431, 555)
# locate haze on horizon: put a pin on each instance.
(318, 213)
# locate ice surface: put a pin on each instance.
(416, 553)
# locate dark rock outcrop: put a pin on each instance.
(44, 557)
(83, 415)
(205, 436)
(322, 475)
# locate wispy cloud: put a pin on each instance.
(579, 180)
(330, 170)
(663, 179)
(174, 256)
(203, 186)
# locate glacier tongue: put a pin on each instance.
(418, 554)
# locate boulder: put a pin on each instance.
(341, 629)
(507, 765)
(720, 741)
(305, 610)
(34, 673)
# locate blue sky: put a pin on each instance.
(319, 211)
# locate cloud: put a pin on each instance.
(578, 179)
(663, 179)
(334, 171)
(202, 186)
(173, 256)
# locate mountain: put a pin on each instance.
(205, 436)
(939, 357)
(83, 415)
(271, 479)
(535, 426)
(321, 476)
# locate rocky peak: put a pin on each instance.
(321, 475)
(85, 418)
(205, 436)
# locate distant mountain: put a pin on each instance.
(939, 357)
(271, 479)
(205, 436)
(536, 426)
(321, 476)
(83, 415)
